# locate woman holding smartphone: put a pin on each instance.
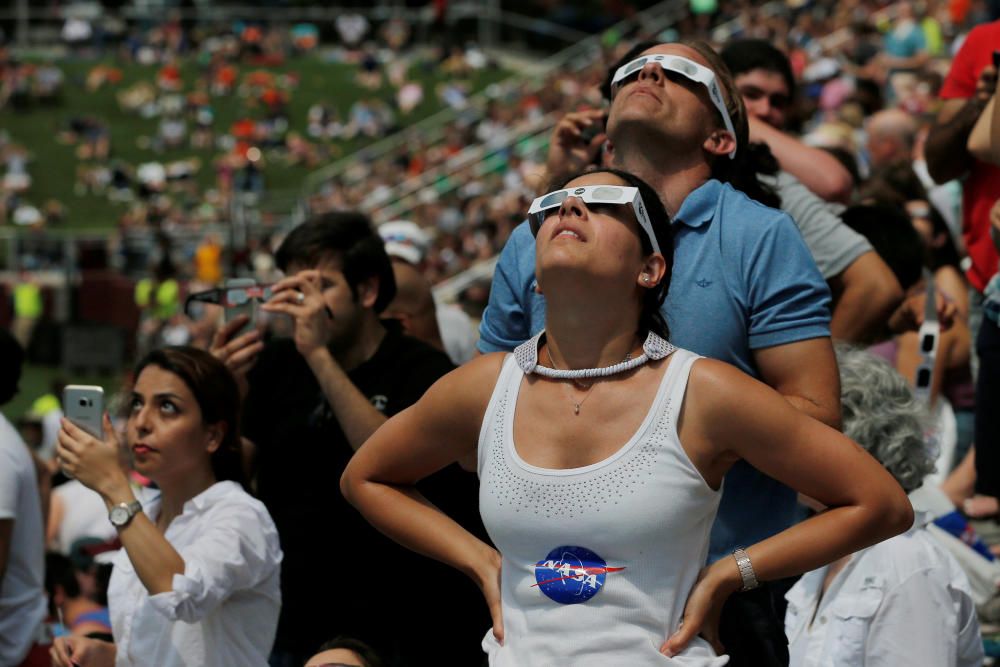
(197, 580)
(601, 451)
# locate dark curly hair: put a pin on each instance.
(348, 238)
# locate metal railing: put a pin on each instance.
(472, 162)
(448, 291)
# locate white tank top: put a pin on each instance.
(597, 561)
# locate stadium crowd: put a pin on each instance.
(808, 193)
(195, 68)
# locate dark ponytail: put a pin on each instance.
(742, 173)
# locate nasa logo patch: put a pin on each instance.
(571, 575)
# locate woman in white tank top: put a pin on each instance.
(601, 452)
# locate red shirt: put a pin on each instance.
(982, 186)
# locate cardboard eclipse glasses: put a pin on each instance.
(689, 70)
(229, 297)
(593, 194)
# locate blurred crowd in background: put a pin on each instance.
(863, 86)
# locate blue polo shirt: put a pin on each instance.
(743, 279)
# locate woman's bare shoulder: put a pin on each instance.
(471, 384)
(481, 367)
(718, 376)
(718, 389)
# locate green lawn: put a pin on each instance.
(54, 165)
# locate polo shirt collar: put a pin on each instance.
(700, 205)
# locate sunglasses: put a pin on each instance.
(686, 68)
(228, 297)
(593, 194)
(929, 335)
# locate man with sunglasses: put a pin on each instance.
(744, 288)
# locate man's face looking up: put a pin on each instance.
(665, 102)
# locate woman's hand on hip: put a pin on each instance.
(488, 579)
(704, 608)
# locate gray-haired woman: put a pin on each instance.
(904, 601)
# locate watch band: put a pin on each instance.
(131, 509)
(746, 570)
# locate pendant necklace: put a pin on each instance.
(579, 385)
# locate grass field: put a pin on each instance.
(53, 166)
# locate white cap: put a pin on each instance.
(405, 240)
(151, 173)
(820, 70)
(26, 214)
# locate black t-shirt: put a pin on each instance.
(339, 575)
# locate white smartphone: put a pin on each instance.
(84, 406)
(248, 307)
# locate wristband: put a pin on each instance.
(746, 570)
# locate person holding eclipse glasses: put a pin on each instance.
(744, 290)
(312, 400)
(601, 451)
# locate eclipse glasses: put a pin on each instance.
(929, 336)
(229, 297)
(689, 70)
(593, 194)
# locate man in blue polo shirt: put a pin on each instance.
(744, 289)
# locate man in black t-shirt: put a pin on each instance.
(312, 401)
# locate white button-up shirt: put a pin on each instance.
(904, 601)
(223, 610)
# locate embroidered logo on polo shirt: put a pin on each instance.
(379, 402)
(571, 575)
(703, 282)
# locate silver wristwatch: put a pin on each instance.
(746, 570)
(122, 513)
